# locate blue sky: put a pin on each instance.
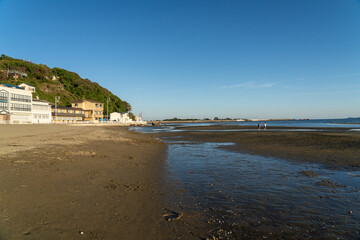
(197, 59)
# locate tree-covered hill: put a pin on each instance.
(57, 82)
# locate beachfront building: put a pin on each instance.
(67, 114)
(138, 118)
(41, 111)
(15, 104)
(120, 117)
(4, 105)
(93, 110)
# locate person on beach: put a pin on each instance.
(264, 125)
(259, 126)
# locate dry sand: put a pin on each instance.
(76, 182)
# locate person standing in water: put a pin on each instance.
(264, 125)
(259, 126)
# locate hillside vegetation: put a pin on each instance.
(57, 82)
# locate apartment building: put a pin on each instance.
(93, 110)
(41, 111)
(67, 114)
(15, 104)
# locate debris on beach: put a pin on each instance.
(27, 232)
(171, 215)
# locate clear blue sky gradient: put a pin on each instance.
(196, 59)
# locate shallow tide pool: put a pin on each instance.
(253, 197)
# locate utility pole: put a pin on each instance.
(107, 109)
(57, 99)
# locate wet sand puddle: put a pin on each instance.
(252, 197)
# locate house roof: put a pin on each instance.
(80, 101)
(11, 86)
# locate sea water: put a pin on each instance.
(313, 123)
(247, 196)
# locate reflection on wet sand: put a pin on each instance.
(252, 197)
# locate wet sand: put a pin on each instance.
(334, 147)
(68, 182)
(264, 187)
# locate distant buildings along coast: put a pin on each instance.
(18, 106)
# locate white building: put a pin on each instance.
(27, 87)
(41, 111)
(120, 117)
(15, 104)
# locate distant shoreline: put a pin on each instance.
(232, 120)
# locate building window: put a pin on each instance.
(3, 105)
(3, 96)
(20, 98)
(21, 107)
(40, 107)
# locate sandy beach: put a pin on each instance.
(105, 182)
(77, 182)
